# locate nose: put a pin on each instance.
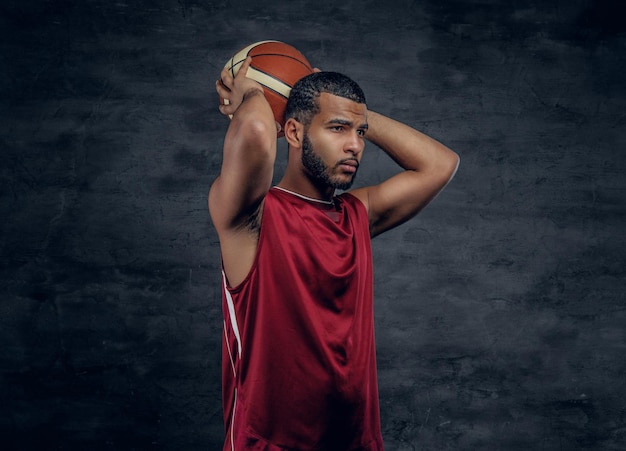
(354, 143)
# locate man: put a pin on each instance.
(299, 369)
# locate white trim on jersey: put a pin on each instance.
(232, 423)
(230, 354)
(231, 314)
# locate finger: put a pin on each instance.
(316, 69)
(243, 70)
(221, 89)
(227, 110)
(226, 78)
(222, 108)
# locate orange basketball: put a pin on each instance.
(277, 67)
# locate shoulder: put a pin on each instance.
(357, 198)
(355, 205)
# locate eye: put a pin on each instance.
(360, 132)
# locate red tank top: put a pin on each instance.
(299, 364)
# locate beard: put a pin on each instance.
(318, 170)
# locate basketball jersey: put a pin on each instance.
(299, 364)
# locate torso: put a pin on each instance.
(299, 329)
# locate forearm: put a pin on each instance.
(253, 118)
(252, 130)
(250, 141)
(409, 148)
(247, 164)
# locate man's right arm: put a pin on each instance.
(237, 194)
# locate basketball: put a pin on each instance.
(277, 67)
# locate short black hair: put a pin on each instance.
(302, 104)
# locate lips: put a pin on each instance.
(350, 165)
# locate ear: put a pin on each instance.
(294, 133)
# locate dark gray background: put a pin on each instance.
(500, 310)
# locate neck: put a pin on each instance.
(304, 187)
(302, 196)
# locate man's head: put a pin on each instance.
(326, 120)
(303, 102)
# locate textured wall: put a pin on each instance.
(501, 314)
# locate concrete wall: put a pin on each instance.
(501, 314)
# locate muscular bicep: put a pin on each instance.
(401, 197)
(236, 197)
(246, 174)
(427, 167)
(232, 207)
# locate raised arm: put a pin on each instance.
(249, 152)
(236, 196)
(428, 166)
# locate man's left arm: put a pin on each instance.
(428, 167)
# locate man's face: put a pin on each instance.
(334, 141)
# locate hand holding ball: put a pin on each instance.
(276, 66)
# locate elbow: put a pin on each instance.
(258, 132)
(261, 127)
(256, 122)
(256, 128)
(454, 164)
(254, 136)
(449, 166)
